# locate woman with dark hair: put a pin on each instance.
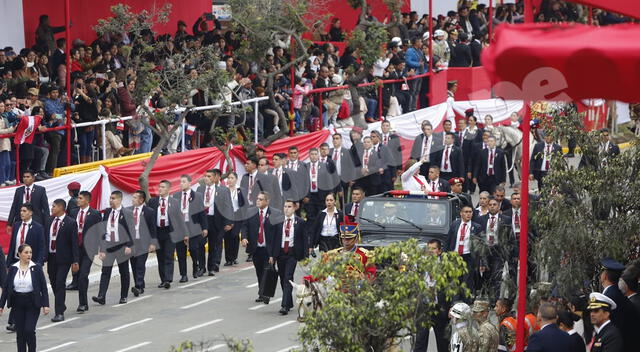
(326, 229)
(566, 319)
(87, 109)
(25, 292)
(335, 33)
(232, 237)
(44, 34)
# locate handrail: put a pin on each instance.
(328, 89)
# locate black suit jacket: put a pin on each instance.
(38, 200)
(455, 158)
(327, 181)
(549, 339)
(66, 241)
(452, 236)
(346, 164)
(388, 162)
(147, 229)
(373, 166)
(416, 149)
(262, 183)
(461, 56)
(177, 226)
(300, 250)
(316, 228)
(625, 318)
(499, 166)
(577, 343)
(251, 228)
(124, 234)
(537, 157)
(197, 221)
(223, 209)
(35, 238)
(91, 218)
(395, 148)
(609, 339)
(38, 280)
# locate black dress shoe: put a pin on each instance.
(228, 264)
(161, 285)
(167, 285)
(141, 290)
(58, 318)
(195, 274)
(72, 287)
(123, 300)
(135, 291)
(235, 262)
(283, 311)
(249, 258)
(184, 279)
(216, 268)
(259, 299)
(98, 299)
(200, 272)
(265, 300)
(82, 308)
(11, 327)
(211, 273)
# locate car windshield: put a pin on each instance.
(423, 213)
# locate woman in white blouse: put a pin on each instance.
(25, 292)
(326, 229)
(483, 205)
(232, 237)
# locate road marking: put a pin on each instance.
(132, 301)
(247, 268)
(134, 346)
(276, 327)
(216, 347)
(252, 285)
(131, 324)
(288, 349)
(59, 346)
(200, 302)
(59, 323)
(264, 305)
(201, 325)
(197, 282)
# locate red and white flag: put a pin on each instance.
(191, 129)
(120, 125)
(26, 129)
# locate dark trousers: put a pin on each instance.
(105, 277)
(286, 267)
(446, 175)
(488, 183)
(138, 268)
(165, 250)
(440, 322)
(386, 183)
(489, 281)
(326, 244)
(232, 242)
(55, 140)
(194, 249)
(468, 277)
(369, 184)
(260, 259)
(539, 176)
(57, 273)
(26, 317)
(314, 205)
(83, 277)
(214, 239)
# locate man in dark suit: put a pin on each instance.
(435, 183)
(352, 209)
(460, 240)
(549, 338)
(321, 181)
(424, 144)
(32, 194)
(254, 182)
(498, 194)
(624, 317)
(607, 336)
(540, 163)
(288, 247)
(449, 159)
(490, 269)
(143, 231)
(272, 181)
(490, 169)
(115, 246)
(461, 55)
(371, 169)
(258, 233)
(192, 208)
(341, 158)
(285, 178)
(28, 231)
(170, 229)
(608, 149)
(387, 162)
(219, 216)
(61, 233)
(392, 142)
(88, 238)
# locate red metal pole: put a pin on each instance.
(430, 70)
(490, 21)
(17, 166)
(67, 22)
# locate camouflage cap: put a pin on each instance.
(480, 306)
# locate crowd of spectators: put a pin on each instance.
(33, 80)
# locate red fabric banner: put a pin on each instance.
(624, 7)
(473, 82)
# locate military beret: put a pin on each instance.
(73, 186)
(456, 180)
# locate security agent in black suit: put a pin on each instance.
(115, 246)
(441, 319)
(145, 239)
(449, 159)
(219, 216)
(392, 142)
(490, 169)
(436, 183)
(192, 208)
(624, 317)
(607, 336)
(88, 240)
(540, 162)
(286, 178)
(607, 150)
(25, 292)
(254, 182)
(549, 338)
(370, 170)
(387, 163)
(462, 241)
(424, 144)
(61, 233)
(566, 321)
(493, 225)
(32, 194)
(353, 208)
(33, 236)
(258, 237)
(232, 237)
(72, 204)
(321, 180)
(343, 161)
(272, 182)
(628, 284)
(170, 229)
(289, 246)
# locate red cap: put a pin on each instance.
(469, 111)
(357, 129)
(456, 180)
(73, 186)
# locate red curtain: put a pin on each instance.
(473, 82)
(624, 7)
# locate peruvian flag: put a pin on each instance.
(191, 129)
(26, 129)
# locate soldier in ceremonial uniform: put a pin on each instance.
(607, 337)
(349, 235)
(487, 337)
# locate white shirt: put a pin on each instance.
(115, 214)
(24, 196)
(336, 160)
(467, 238)
(492, 232)
(53, 231)
(26, 232)
(598, 329)
(329, 224)
(446, 161)
(184, 205)
(491, 163)
(211, 190)
(234, 198)
(164, 217)
(22, 281)
(291, 231)
(427, 140)
(84, 213)
(409, 182)
(137, 221)
(546, 156)
(313, 179)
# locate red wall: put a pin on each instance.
(348, 16)
(85, 14)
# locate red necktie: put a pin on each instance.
(163, 212)
(385, 140)
(433, 186)
(184, 201)
(335, 155)
(516, 221)
(207, 199)
(135, 216)
(28, 195)
(261, 231)
(490, 171)
(250, 188)
(365, 160)
(463, 233)
(287, 229)
(113, 225)
(355, 211)
(55, 234)
(492, 225)
(23, 232)
(547, 156)
(446, 158)
(314, 185)
(80, 227)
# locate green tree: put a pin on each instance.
(361, 313)
(589, 212)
